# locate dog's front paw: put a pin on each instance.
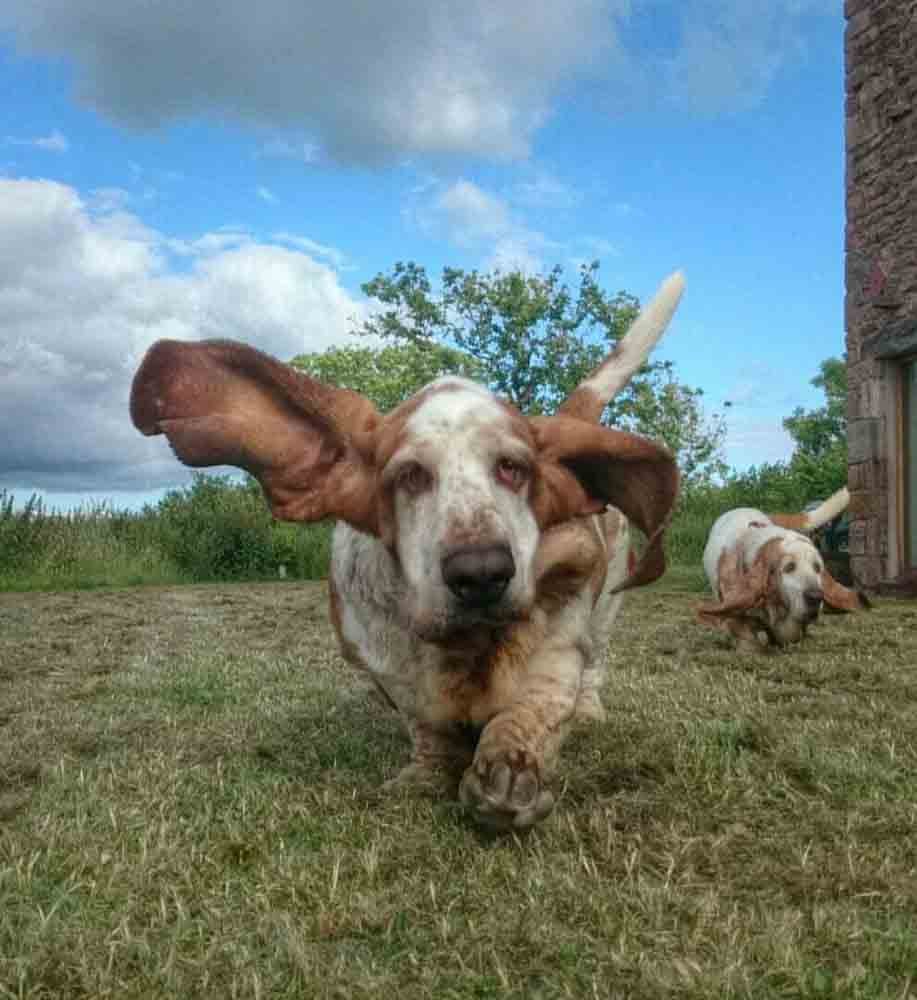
(504, 790)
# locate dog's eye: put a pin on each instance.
(511, 474)
(414, 479)
(817, 567)
(790, 567)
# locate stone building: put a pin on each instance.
(881, 290)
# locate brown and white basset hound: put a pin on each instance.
(479, 556)
(767, 576)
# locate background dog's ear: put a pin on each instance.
(224, 403)
(841, 598)
(741, 589)
(582, 467)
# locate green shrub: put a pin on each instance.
(217, 529)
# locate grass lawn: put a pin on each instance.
(190, 807)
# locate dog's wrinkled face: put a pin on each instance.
(459, 481)
(797, 580)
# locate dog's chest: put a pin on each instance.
(470, 686)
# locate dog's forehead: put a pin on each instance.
(798, 547)
(451, 405)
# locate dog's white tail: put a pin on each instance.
(828, 511)
(593, 394)
(811, 519)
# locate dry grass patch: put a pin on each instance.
(190, 806)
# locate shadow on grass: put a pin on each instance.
(357, 740)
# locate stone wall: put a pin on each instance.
(881, 254)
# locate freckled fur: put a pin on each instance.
(486, 693)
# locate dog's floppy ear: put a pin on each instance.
(841, 598)
(582, 467)
(742, 589)
(223, 403)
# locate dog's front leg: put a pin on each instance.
(440, 755)
(505, 786)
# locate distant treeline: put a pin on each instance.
(219, 529)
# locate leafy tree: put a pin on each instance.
(669, 411)
(824, 430)
(530, 338)
(819, 459)
(533, 340)
(386, 375)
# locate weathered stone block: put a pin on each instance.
(864, 505)
(857, 537)
(863, 440)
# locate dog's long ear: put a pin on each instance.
(224, 403)
(841, 598)
(582, 467)
(742, 589)
(591, 396)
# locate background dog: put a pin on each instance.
(768, 577)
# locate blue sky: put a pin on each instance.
(239, 170)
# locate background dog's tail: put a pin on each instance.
(593, 394)
(812, 519)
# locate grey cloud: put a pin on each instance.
(366, 82)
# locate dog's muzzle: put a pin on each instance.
(812, 600)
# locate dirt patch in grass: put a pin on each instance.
(190, 805)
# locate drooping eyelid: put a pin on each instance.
(517, 452)
(404, 458)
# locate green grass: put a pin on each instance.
(190, 805)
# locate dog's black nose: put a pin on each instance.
(813, 598)
(478, 575)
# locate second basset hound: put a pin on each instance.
(767, 577)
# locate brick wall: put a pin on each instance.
(881, 252)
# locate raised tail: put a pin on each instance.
(811, 519)
(593, 394)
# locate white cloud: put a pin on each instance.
(84, 290)
(542, 190)
(335, 257)
(266, 194)
(104, 201)
(55, 142)
(754, 442)
(474, 219)
(286, 149)
(761, 386)
(470, 214)
(590, 248)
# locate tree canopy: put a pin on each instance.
(819, 432)
(531, 338)
(820, 435)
